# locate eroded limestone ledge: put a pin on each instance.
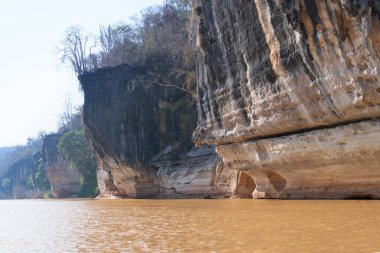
(274, 67)
(201, 174)
(339, 162)
(121, 180)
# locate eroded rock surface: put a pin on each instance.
(199, 174)
(287, 90)
(142, 136)
(273, 67)
(18, 174)
(129, 121)
(64, 180)
(107, 188)
(339, 162)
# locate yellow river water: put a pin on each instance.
(189, 226)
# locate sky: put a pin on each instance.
(33, 83)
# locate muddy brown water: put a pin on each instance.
(189, 226)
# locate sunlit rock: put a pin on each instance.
(287, 90)
(64, 180)
(200, 173)
(142, 135)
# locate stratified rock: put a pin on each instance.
(64, 180)
(200, 174)
(272, 74)
(339, 162)
(142, 134)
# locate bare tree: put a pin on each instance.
(76, 50)
(71, 117)
(119, 44)
(150, 79)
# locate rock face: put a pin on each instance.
(128, 121)
(18, 174)
(339, 162)
(64, 180)
(107, 188)
(290, 93)
(25, 178)
(199, 174)
(141, 135)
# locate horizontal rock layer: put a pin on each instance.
(200, 175)
(340, 162)
(269, 67)
(290, 93)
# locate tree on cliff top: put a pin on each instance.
(160, 32)
(76, 50)
(158, 39)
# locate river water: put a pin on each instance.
(189, 226)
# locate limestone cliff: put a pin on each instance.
(18, 174)
(22, 179)
(128, 120)
(64, 180)
(198, 174)
(141, 133)
(290, 93)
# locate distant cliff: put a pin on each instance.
(24, 179)
(290, 93)
(65, 181)
(18, 175)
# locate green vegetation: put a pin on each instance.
(6, 185)
(30, 182)
(81, 157)
(40, 178)
(47, 195)
(21, 166)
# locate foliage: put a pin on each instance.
(30, 182)
(47, 195)
(81, 157)
(6, 185)
(159, 37)
(119, 44)
(40, 178)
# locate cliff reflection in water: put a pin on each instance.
(189, 226)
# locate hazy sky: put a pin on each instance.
(33, 85)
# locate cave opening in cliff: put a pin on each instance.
(245, 186)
